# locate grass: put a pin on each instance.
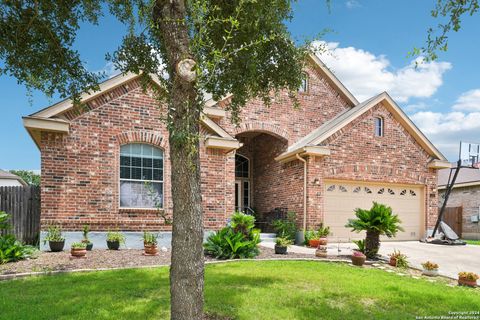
(474, 242)
(241, 290)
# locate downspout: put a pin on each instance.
(304, 191)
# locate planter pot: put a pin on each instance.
(430, 273)
(322, 241)
(393, 262)
(321, 252)
(78, 253)
(358, 260)
(299, 238)
(89, 246)
(56, 246)
(280, 250)
(113, 245)
(150, 249)
(468, 283)
(314, 243)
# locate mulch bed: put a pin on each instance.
(107, 259)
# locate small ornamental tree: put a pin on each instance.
(238, 47)
(377, 221)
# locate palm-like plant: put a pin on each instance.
(377, 221)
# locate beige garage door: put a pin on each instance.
(341, 199)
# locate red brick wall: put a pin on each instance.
(80, 171)
(357, 154)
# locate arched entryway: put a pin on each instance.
(259, 184)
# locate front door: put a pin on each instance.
(242, 195)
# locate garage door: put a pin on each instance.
(341, 199)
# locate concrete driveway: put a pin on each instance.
(451, 259)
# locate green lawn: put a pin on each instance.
(242, 290)
(475, 242)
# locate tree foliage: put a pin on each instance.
(451, 12)
(28, 176)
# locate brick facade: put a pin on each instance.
(469, 199)
(80, 170)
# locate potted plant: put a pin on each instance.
(321, 251)
(468, 279)
(358, 258)
(78, 249)
(114, 239)
(55, 239)
(312, 239)
(323, 232)
(86, 230)
(398, 259)
(281, 245)
(150, 243)
(430, 269)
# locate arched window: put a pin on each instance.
(379, 127)
(141, 176)
(242, 182)
(241, 166)
(304, 86)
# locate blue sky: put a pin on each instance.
(368, 48)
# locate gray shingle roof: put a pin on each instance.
(464, 176)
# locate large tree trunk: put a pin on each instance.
(372, 243)
(187, 268)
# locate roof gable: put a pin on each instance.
(322, 133)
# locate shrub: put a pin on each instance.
(429, 265)
(54, 234)
(149, 239)
(10, 248)
(360, 244)
(283, 242)
(469, 276)
(286, 228)
(78, 245)
(238, 240)
(86, 230)
(323, 231)
(377, 221)
(115, 237)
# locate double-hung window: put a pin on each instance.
(141, 176)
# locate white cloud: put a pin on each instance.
(446, 130)
(367, 74)
(108, 70)
(414, 107)
(468, 101)
(352, 4)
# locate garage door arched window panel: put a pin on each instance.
(331, 188)
(141, 176)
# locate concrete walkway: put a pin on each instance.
(451, 259)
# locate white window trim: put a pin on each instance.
(137, 180)
(381, 126)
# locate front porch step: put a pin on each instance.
(268, 237)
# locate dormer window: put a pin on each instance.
(304, 86)
(379, 127)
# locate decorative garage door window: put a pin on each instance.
(141, 176)
(369, 190)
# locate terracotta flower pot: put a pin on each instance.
(358, 260)
(321, 252)
(314, 243)
(393, 262)
(150, 249)
(56, 246)
(468, 283)
(280, 250)
(323, 241)
(78, 253)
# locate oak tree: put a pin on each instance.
(194, 47)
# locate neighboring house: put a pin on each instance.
(465, 194)
(97, 158)
(8, 179)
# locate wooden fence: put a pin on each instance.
(23, 204)
(453, 217)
